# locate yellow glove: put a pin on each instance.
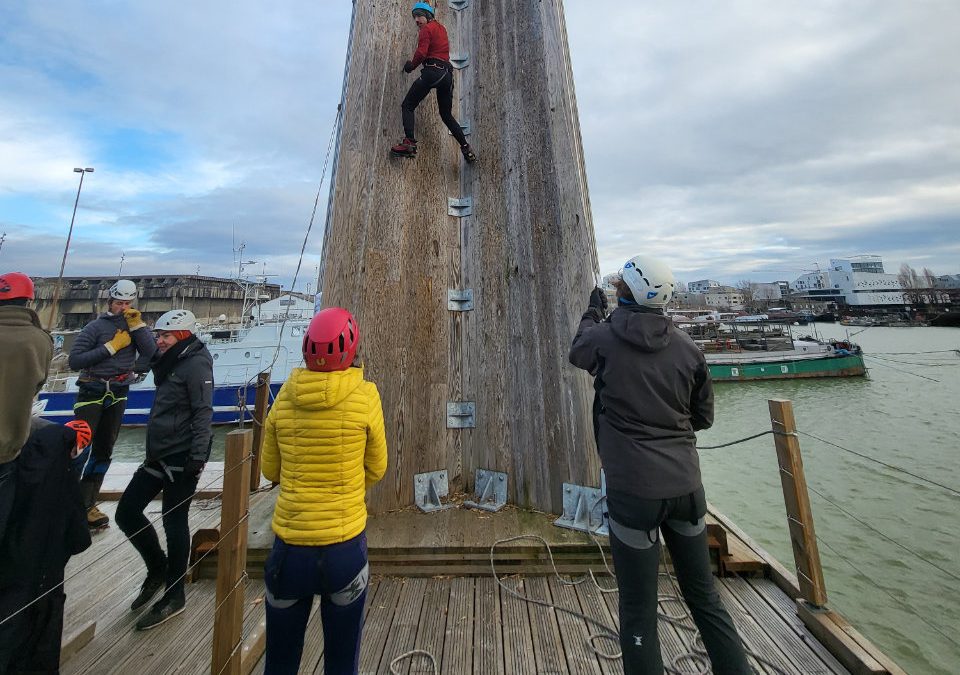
(134, 322)
(119, 341)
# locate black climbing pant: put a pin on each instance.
(438, 75)
(636, 562)
(178, 488)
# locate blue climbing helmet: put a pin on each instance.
(423, 7)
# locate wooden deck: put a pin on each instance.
(469, 623)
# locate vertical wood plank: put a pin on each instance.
(232, 554)
(803, 537)
(260, 408)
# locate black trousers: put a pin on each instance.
(8, 486)
(636, 569)
(149, 481)
(103, 410)
(432, 76)
(30, 641)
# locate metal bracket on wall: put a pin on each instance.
(582, 509)
(461, 414)
(464, 127)
(429, 488)
(459, 4)
(459, 207)
(459, 61)
(489, 491)
(459, 299)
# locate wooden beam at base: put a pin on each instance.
(852, 649)
(253, 647)
(77, 641)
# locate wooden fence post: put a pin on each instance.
(806, 555)
(260, 408)
(232, 554)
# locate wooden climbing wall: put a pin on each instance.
(527, 250)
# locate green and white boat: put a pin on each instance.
(760, 349)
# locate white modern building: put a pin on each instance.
(703, 286)
(859, 281)
(286, 305)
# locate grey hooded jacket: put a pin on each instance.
(91, 357)
(655, 391)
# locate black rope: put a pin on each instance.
(882, 463)
(739, 440)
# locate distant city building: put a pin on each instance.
(209, 298)
(948, 281)
(703, 286)
(767, 292)
(724, 298)
(859, 281)
(286, 306)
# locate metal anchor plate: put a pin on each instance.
(459, 207)
(582, 509)
(489, 491)
(458, 4)
(459, 299)
(429, 488)
(461, 414)
(459, 61)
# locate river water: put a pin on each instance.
(904, 414)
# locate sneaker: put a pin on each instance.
(97, 519)
(405, 148)
(162, 611)
(151, 585)
(468, 153)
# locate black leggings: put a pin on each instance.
(636, 565)
(432, 76)
(143, 488)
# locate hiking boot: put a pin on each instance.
(405, 148)
(151, 585)
(468, 153)
(162, 611)
(97, 519)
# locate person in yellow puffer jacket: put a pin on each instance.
(324, 443)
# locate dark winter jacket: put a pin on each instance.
(25, 353)
(91, 357)
(655, 391)
(183, 406)
(48, 523)
(432, 43)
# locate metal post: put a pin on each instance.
(806, 555)
(232, 555)
(63, 262)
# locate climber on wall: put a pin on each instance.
(433, 52)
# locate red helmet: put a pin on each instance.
(15, 285)
(331, 340)
(84, 435)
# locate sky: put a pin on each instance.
(742, 139)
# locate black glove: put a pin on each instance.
(408, 67)
(597, 305)
(193, 468)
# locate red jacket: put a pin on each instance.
(432, 43)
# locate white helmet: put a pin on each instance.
(177, 319)
(124, 290)
(650, 281)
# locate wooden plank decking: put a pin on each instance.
(469, 623)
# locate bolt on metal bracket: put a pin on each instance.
(459, 299)
(582, 509)
(458, 4)
(459, 207)
(461, 414)
(489, 491)
(459, 61)
(464, 127)
(429, 488)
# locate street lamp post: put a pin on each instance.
(63, 262)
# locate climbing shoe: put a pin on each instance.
(162, 611)
(468, 153)
(405, 148)
(97, 519)
(151, 585)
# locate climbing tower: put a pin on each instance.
(468, 280)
